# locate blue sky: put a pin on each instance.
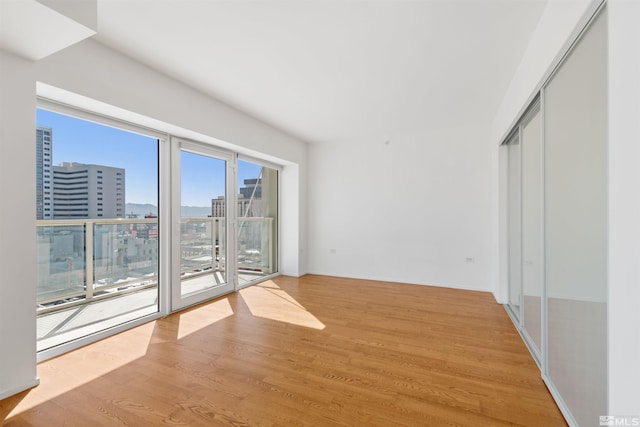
(80, 141)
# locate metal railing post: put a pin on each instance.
(214, 231)
(222, 240)
(88, 262)
(271, 245)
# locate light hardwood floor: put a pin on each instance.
(313, 351)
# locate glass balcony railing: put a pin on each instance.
(80, 261)
(203, 245)
(85, 260)
(255, 245)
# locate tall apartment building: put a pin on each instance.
(44, 173)
(88, 191)
(249, 198)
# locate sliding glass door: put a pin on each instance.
(200, 213)
(257, 211)
(97, 226)
(514, 218)
(101, 246)
(532, 228)
(525, 226)
(225, 222)
(556, 210)
(576, 234)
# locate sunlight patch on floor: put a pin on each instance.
(91, 362)
(268, 301)
(265, 300)
(193, 321)
(100, 358)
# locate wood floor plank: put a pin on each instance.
(310, 351)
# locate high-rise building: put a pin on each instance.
(249, 199)
(252, 188)
(44, 173)
(88, 191)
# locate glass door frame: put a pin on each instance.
(278, 235)
(178, 145)
(533, 111)
(514, 260)
(163, 182)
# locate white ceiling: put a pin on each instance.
(27, 28)
(334, 70)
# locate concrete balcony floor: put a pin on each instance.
(67, 324)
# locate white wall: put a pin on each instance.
(624, 207)
(94, 71)
(17, 225)
(409, 211)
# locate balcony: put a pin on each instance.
(94, 274)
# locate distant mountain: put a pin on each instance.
(144, 209)
(140, 209)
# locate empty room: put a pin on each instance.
(317, 213)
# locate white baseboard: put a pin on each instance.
(15, 390)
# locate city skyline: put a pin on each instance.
(44, 174)
(81, 141)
